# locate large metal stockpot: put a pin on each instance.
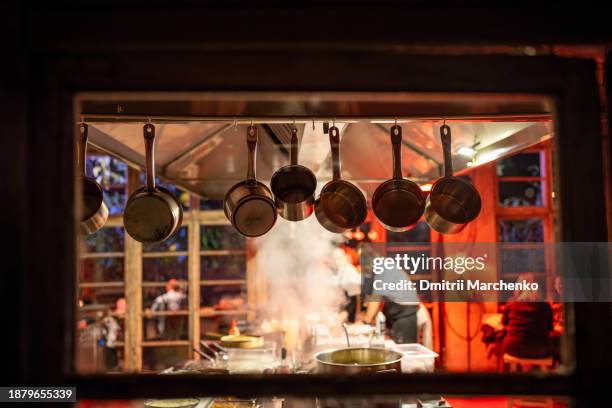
(358, 360)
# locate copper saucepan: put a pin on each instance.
(294, 187)
(398, 203)
(249, 205)
(341, 205)
(95, 211)
(152, 213)
(453, 202)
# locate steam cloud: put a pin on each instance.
(297, 259)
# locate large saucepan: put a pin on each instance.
(398, 203)
(95, 212)
(152, 213)
(249, 205)
(341, 205)
(358, 360)
(453, 202)
(294, 186)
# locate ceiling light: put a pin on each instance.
(466, 151)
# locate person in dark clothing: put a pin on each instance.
(528, 325)
(402, 321)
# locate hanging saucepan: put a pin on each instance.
(453, 202)
(95, 212)
(152, 213)
(294, 187)
(398, 203)
(249, 205)
(341, 205)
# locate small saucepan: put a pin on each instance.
(95, 212)
(294, 187)
(453, 202)
(341, 205)
(398, 203)
(152, 213)
(249, 205)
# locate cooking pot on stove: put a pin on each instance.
(358, 360)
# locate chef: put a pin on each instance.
(400, 310)
(347, 277)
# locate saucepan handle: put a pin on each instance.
(83, 149)
(149, 138)
(252, 154)
(396, 143)
(334, 141)
(445, 137)
(294, 146)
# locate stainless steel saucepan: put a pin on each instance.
(453, 202)
(358, 360)
(94, 213)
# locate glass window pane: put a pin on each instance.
(107, 170)
(520, 165)
(223, 267)
(107, 239)
(162, 269)
(420, 233)
(215, 237)
(530, 230)
(151, 293)
(520, 193)
(177, 242)
(115, 199)
(515, 261)
(111, 173)
(159, 358)
(164, 328)
(99, 299)
(101, 270)
(206, 204)
(223, 297)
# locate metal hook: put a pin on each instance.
(313, 124)
(334, 122)
(251, 122)
(395, 121)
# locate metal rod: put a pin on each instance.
(236, 180)
(247, 120)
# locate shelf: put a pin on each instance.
(94, 255)
(210, 312)
(119, 284)
(222, 252)
(222, 282)
(165, 343)
(167, 313)
(164, 254)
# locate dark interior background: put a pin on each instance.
(32, 36)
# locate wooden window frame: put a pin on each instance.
(57, 77)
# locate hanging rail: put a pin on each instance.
(247, 120)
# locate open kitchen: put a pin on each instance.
(258, 213)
